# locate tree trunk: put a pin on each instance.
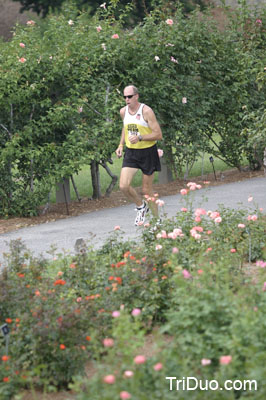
(95, 179)
(114, 178)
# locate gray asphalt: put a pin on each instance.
(96, 227)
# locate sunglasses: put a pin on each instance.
(129, 96)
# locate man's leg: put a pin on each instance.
(148, 190)
(126, 176)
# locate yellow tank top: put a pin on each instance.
(134, 124)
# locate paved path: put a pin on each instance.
(97, 226)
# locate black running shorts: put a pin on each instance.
(147, 160)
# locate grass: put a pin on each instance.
(84, 184)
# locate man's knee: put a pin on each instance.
(124, 186)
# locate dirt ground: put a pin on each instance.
(59, 211)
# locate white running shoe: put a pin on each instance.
(141, 214)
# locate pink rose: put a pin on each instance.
(136, 312)
(140, 359)
(252, 217)
(115, 314)
(174, 60)
(22, 60)
(125, 395)
(213, 214)
(159, 202)
(233, 251)
(110, 379)
(115, 36)
(184, 209)
(205, 361)
(158, 366)
(117, 228)
(128, 374)
(175, 250)
(224, 360)
(31, 22)
(108, 342)
(261, 263)
(186, 274)
(241, 225)
(184, 192)
(200, 211)
(169, 21)
(200, 271)
(99, 28)
(22, 45)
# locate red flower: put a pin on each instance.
(59, 282)
(6, 379)
(88, 338)
(8, 320)
(5, 358)
(120, 263)
(62, 346)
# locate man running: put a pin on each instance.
(140, 132)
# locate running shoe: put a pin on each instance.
(141, 214)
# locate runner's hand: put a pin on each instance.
(119, 152)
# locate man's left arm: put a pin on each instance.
(150, 118)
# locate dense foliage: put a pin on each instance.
(61, 90)
(256, 127)
(141, 7)
(192, 286)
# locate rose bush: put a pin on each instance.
(61, 89)
(192, 279)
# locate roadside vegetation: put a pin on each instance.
(194, 289)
